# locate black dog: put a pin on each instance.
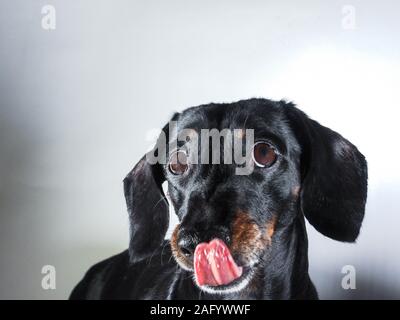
(250, 226)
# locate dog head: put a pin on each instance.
(227, 221)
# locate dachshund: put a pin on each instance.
(240, 236)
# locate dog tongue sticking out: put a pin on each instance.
(214, 265)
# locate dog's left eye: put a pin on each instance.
(178, 162)
(263, 154)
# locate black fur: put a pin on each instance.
(328, 172)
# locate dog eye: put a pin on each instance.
(178, 162)
(263, 154)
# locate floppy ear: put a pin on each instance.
(334, 178)
(147, 205)
(147, 208)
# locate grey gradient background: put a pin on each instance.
(76, 104)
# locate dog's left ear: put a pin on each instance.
(334, 178)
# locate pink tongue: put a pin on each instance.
(214, 265)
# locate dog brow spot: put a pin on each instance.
(296, 191)
(239, 133)
(190, 134)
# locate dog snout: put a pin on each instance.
(187, 242)
(189, 239)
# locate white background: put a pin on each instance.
(76, 103)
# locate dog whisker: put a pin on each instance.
(162, 198)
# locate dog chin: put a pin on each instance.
(235, 286)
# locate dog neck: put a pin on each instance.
(285, 272)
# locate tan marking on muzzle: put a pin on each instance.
(248, 239)
(270, 228)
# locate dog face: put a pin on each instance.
(214, 202)
(229, 220)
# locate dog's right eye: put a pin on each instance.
(264, 154)
(178, 162)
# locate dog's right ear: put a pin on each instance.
(147, 206)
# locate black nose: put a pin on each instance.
(187, 242)
(188, 239)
